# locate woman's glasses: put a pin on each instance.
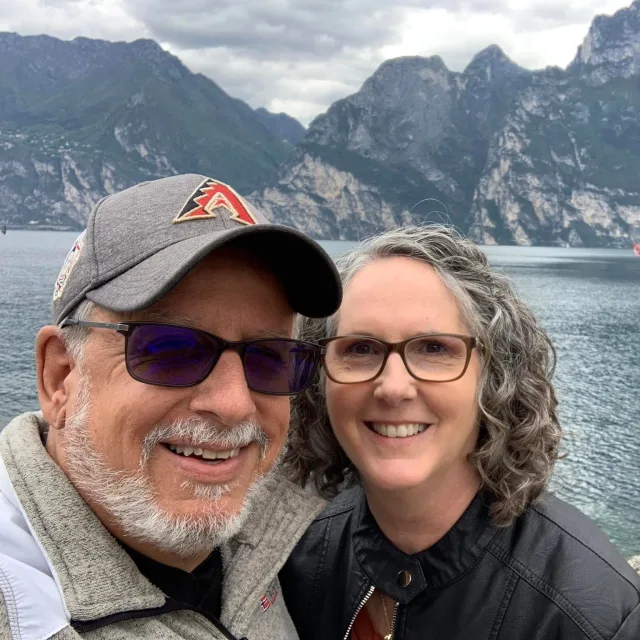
(436, 357)
(176, 356)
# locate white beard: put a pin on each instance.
(128, 496)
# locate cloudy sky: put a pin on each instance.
(298, 56)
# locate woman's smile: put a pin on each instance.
(399, 430)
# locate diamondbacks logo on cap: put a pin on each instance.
(69, 263)
(212, 196)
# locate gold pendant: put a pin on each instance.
(388, 637)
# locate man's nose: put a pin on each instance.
(395, 384)
(224, 392)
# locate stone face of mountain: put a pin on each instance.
(283, 125)
(508, 155)
(85, 118)
(611, 48)
(414, 131)
(563, 167)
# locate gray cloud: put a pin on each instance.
(304, 28)
(300, 55)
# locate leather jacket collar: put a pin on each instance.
(404, 576)
(549, 574)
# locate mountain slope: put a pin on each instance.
(288, 128)
(565, 165)
(511, 155)
(84, 118)
(414, 131)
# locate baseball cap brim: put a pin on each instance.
(307, 273)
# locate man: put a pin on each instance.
(140, 501)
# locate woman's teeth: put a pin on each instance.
(207, 454)
(398, 430)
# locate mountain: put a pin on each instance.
(506, 154)
(288, 128)
(85, 118)
(611, 48)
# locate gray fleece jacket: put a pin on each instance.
(63, 576)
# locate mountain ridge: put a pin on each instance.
(70, 134)
(520, 156)
(513, 155)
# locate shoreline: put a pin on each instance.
(43, 227)
(78, 228)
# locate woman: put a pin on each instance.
(435, 425)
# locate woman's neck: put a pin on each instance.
(415, 519)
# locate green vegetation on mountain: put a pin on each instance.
(510, 155)
(81, 119)
(506, 154)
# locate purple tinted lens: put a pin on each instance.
(279, 366)
(170, 356)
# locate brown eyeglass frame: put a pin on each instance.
(399, 347)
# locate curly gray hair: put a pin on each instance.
(520, 435)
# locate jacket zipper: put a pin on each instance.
(358, 610)
(170, 605)
(393, 620)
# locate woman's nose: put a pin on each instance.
(395, 384)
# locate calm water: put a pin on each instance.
(589, 301)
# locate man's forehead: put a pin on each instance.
(157, 314)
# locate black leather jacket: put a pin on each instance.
(551, 575)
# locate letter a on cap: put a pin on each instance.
(211, 196)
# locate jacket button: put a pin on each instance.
(404, 578)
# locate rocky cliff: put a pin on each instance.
(509, 155)
(81, 119)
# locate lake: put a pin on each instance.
(587, 299)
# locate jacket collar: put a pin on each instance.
(447, 560)
(252, 560)
(96, 575)
(98, 578)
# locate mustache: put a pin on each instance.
(195, 431)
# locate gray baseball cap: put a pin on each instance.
(140, 242)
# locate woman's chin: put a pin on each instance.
(402, 479)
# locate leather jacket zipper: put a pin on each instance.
(393, 620)
(358, 610)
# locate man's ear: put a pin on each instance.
(53, 366)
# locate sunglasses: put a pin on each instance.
(172, 355)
